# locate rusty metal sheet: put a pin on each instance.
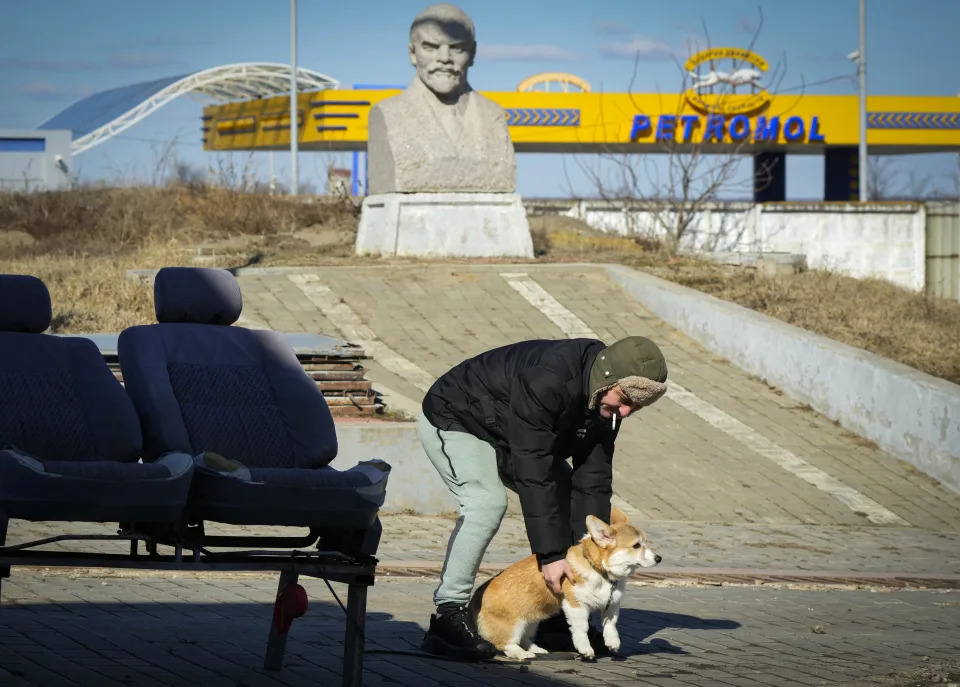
(302, 343)
(342, 375)
(310, 365)
(350, 385)
(356, 401)
(354, 411)
(334, 366)
(309, 344)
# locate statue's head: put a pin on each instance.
(442, 47)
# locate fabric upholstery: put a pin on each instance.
(106, 470)
(201, 295)
(61, 401)
(323, 497)
(240, 402)
(24, 304)
(70, 437)
(228, 390)
(94, 491)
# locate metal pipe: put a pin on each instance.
(294, 172)
(862, 74)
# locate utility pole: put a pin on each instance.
(294, 172)
(862, 74)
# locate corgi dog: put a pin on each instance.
(508, 608)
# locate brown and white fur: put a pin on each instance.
(509, 607)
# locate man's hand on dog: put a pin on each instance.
(554, 573)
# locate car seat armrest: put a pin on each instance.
(214, 463)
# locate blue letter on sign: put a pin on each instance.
(815, 135)
(767, 131)
(666, 127)
(739, 128)
(640, 124)
(714, 128)
(793, 129)
(689, 121)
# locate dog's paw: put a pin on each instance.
(586, 651)
(533, 648)
(581, 643)
(517, 653)
(612, 640)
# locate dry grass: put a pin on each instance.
(83, 242)
(111, 219)
(871, 314)
(565, 239)
(89, 292)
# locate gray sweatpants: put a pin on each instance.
(468, 466)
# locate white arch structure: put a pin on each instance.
(566, 83)
(240, 81)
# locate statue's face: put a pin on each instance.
(442, 54)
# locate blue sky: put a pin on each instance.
(54, 52)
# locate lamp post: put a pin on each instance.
(859, 57)
(294, 173)
(862, 74)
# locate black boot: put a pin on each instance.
(453, 634)
(553, 634)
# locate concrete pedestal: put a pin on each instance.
(472, 225)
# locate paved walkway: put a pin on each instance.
(728, 476)
(724, 448)
(211, 632)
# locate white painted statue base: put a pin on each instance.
(470, 225)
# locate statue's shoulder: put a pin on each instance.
(478, 99)
(396, 104)
(490, 109)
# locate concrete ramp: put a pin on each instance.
(722, 448)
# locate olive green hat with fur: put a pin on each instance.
(636, 364)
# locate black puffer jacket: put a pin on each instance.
(529, 400)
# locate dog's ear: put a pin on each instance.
(617, 517)
(600, 532)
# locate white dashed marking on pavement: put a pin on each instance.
(537, 296)
(353, 329)
(574, 327)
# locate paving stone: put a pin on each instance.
(707, 502)
(715, 642)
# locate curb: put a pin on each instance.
(912, 415)
(728, 576)
(704, 577)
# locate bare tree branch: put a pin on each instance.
(674, 188)
(882, 178)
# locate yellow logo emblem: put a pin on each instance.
(734, 90)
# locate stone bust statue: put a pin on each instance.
(440, 135)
